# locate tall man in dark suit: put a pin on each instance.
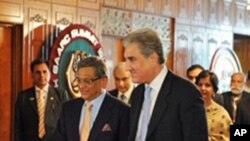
(123, 83)
(96, 115)
(236, 96)
(174, 106)
(32, 123)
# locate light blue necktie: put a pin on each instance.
(146, 113)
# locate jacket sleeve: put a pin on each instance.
(193, 118)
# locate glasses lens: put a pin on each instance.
(87, 81)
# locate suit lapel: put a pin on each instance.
(102, 118)
(135, 111)
(76, 114)
(51, 99)
(228, 103)
(116, 93)
(160, 104)
(31, 97)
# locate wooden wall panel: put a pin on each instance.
(226, 13)
(167, 7)
(5, 83)
(66, 2)
(62, 16)
(36, 31)
(213, 43)
(198, 12)
(226, 39)
(90, 18)
(242, 49)
(11, 11)
(89, 4)
(113, 3)
(131, 4)
(150, 6)
(49, 1)
(183, 11)
(213, 15)
(240, 18)
(181, 49)
(110, 48)
(198, 51)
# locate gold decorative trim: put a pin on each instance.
(38, 18)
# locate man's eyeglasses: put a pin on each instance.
(87, 81)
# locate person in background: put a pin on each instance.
(167, 107)
(247, 84)
(243, 109)
(236, 95)
(218, 119)
(193, 71)
(243, 112)
(123, 83)
(96, 115)
(37, 109)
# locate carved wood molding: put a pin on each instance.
(117, 22)
(63, 21)
(38, 18)
(212, 41)
(198, 39)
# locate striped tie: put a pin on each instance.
(41, 111)
(86, 123)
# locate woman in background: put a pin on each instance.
(218, 119)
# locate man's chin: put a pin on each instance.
(237, 92)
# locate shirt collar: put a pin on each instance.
(98, 101)
(158, 80)
(45, 88)
(127, 93)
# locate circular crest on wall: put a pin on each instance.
(72, 44)
(224, 63)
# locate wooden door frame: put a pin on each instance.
(16, 66)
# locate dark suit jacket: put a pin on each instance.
(243, 112)
(227, 96)
(112, 112)
(27, 118)
(178, 114)
(218, 98)
(115, 92)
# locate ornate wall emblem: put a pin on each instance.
(224, 63)
(72, 84)
(72, 44)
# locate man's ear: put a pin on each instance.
(154, 57)
(104, 82)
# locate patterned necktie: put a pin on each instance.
(146, 113)
(123, 97)
(86, 123)
(235, 101)
(41, 111)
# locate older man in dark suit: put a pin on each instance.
(165, 107)
(123, 83)
(236, 96)
(96, 115)
(38, 108)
